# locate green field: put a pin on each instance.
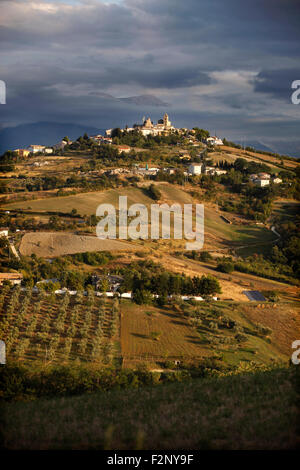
(246, 411)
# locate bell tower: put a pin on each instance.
(167, 123)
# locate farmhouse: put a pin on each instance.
(36, 148)
(14, 278)
(195, 168)
(261, 182)
(22, 152)
(214, 140)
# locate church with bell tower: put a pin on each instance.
(163, 126)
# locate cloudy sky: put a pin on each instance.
(225, 65)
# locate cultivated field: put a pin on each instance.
(189, 333)
(52, 244)
(58, 328)
(218, 234)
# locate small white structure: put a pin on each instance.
(195, 169)
(214, 140)
(261, 182)
(218, 172)
(126, 295)
(277, 180)
(3, 232)
(123, 148)
(48, 150)
(36, 148)
(170, 171)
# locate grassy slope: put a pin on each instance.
(182, 341)
(178, 340)
(249, 411)
(217, 231)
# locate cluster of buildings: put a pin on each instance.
(264, 179)
(163, 126)
(100, 139)
(202, 169)
(33, 149)
(36, 148)
(214, 140)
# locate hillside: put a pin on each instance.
(246, 411)
(58, 328)
(218, 233)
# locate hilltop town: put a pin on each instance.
(69, 298)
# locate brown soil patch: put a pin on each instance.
(52, 244)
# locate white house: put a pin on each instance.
(195, 169)
(36, 148)
(126, 295)
(48, 150)
(3, 232)
(277, 180)
(214, 140)
(262, 182)
(219, 172)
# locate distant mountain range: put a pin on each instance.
(284, 148)
(49, 133)
(258, 146)
(139, 100)
(43, 133)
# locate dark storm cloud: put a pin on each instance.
(176, 77)
(60, 59)
(276, 82)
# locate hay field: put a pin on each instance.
(52, 244)
(268, 159)
(177, 337)
(87, 203)
(180, 339)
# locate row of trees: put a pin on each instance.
(144, 278)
